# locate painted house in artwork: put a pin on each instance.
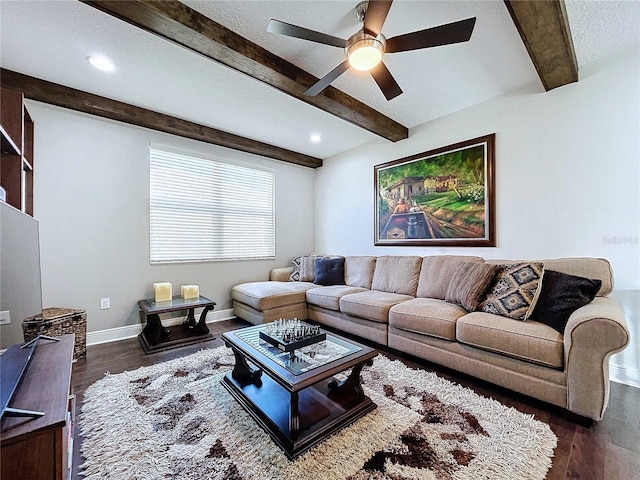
(441, 183)
(409, 187)
(405, 188)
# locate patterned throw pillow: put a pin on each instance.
(308, 267)
(295, 269)
(514, 290)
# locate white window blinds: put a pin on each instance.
(203, 210)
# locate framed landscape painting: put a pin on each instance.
(444, 197)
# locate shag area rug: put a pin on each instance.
(174, 420)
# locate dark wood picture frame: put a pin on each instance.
(443, 197)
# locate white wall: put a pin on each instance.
(567, 173)
(91, 198)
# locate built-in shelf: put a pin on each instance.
(8, 145)
(16, 163)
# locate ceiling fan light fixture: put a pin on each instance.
(365, 51)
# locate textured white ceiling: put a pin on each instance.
(600, 28)
(52, 39)
(435, 81)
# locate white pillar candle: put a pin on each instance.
(190, 291)
(162, 291)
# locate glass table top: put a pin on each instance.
(301, 360)
(176, 303)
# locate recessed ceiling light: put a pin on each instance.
(315, 138)
(101, 63)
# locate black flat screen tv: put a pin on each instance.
(20, 296)
(13, 363)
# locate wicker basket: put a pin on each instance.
(59, 321)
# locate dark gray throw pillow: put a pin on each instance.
(329, 271)
(562, 294)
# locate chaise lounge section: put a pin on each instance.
(542, 328)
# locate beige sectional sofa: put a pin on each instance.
(400, 302)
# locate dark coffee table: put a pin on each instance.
(295, 398)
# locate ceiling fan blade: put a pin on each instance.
(327, 79)
(385, 81)
(375, 16)
(455, 32)
(282, 28)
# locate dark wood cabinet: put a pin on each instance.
(40, 448)
(16, 163)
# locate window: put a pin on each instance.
(202, 209)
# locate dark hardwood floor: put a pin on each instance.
(607, 450)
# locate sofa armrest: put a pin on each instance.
(593, 333)
(280, 274)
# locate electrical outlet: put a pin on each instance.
(5, 317)
(105, 303)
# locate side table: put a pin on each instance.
(155, 337)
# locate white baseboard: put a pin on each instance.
(628, 376)
(130, 331)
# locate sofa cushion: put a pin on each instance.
(372, 304)
(329, 297)
(329, 271)
(436, 273)
(397, 274)
(593, 268)
(258, 317)
(469, 283)
(429, 316)
(530, 341)
(266, 295)
(513, 290)
(358, 271)
(561, 295)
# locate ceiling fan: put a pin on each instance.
(364, 49)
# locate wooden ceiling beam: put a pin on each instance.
(176, 22)
(544, 29)
(59, 95)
